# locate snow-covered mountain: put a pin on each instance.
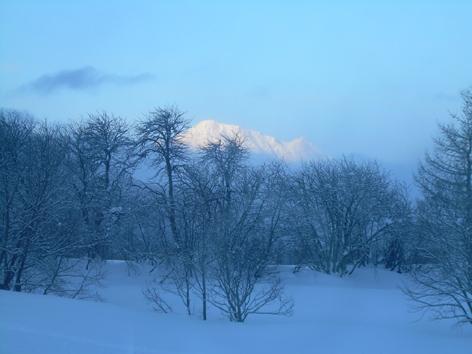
(291, 151)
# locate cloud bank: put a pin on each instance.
(80, 80)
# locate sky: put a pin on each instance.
(366, 78)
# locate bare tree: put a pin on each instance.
(246, 227)
(100, 160)
(160, 137)
(444, 284)
(340, 209)
(199, 211)
(38, 226)
(15, 134)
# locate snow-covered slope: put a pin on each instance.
(365, 313)
(209, 130)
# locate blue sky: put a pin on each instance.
(370, 78)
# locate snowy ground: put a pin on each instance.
(364, 314)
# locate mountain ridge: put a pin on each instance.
(210, 130)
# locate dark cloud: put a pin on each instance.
(80, 79)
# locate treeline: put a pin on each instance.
(216, 226)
